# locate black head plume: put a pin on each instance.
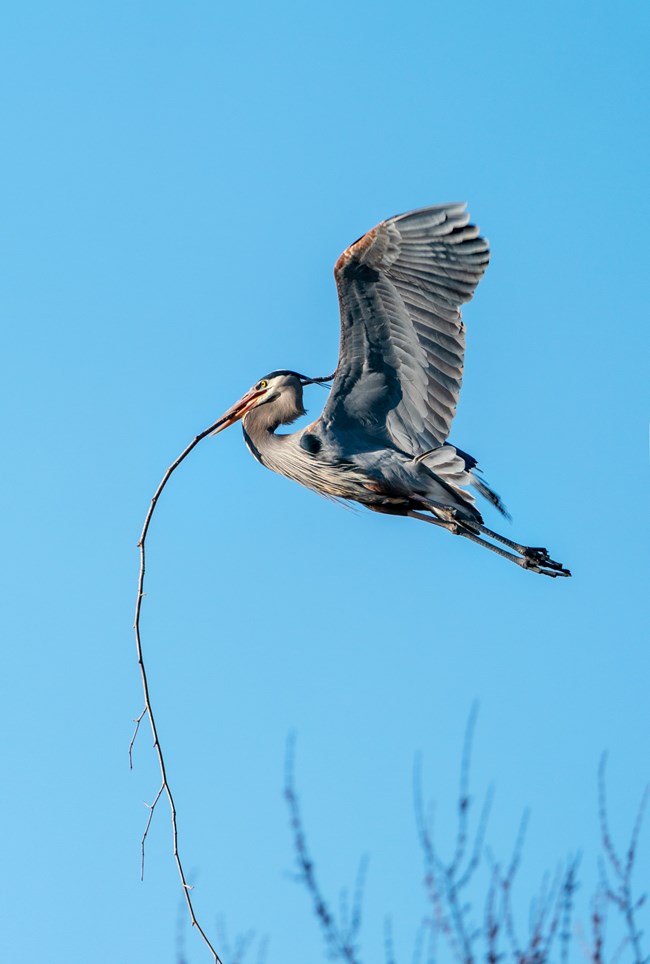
(318, 381)
(304, 380)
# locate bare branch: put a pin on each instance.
(554, 905)
(464, 799)
(620, 893)
(566, 907)
(446, 881)
(506, 886)
(598, 921)
(148, 711)
(340, 937)
(492, 926)
(606, 838)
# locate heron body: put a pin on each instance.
(382, 439)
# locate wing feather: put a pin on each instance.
(400, 290)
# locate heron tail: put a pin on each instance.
(456, 469)
(493, 497)
(481, 486)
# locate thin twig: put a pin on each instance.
(491, 926)
(608, 844)
(550, 904)
(137, 722)
(147, 699)
(621, 895)
(340, 936)
(598, 922)
(445, 882)
(568, 890)
(424, 931)
(506, 886)
(464, 799)
(436, 890)
(150, 807)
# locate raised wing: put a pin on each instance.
(400, 289)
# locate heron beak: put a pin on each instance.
(238, 410)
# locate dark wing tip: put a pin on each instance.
(451, 207)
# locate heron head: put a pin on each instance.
(281, 391)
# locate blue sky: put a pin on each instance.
(178, 180)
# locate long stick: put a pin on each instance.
(147, 711)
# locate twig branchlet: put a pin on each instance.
(618, 891)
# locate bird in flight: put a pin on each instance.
(382, 437)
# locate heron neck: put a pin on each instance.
(259, 429)
(280, 453)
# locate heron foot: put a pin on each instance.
(534, 558)
(538, 559)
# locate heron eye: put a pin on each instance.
(262, 384)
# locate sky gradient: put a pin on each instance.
(178, 181)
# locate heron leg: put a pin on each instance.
(508, 542)
(536, 560)
(457, 529)
(535, 554)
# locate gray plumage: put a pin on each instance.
(382, 437)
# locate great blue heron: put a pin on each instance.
(382, 437)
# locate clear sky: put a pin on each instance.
(178, 180)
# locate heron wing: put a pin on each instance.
(400, 288)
